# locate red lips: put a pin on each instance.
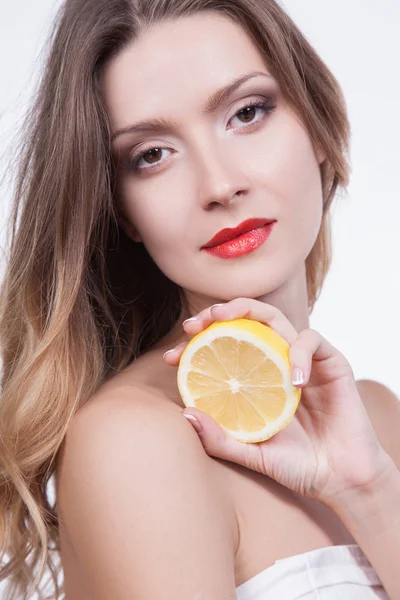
(225, 235)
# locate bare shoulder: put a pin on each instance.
(137, 499)
(383, 407)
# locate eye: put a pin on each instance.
(248, 111)
(152, 157)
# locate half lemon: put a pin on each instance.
(239, 373)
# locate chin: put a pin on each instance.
(255, 284)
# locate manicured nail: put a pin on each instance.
(196, 424)
(168, 351)
(191, 319)
(297, 377)
(214, 305)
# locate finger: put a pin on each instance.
(200, 321)
(217, 442)
(246, 308)
(173, 356)
(312, 346)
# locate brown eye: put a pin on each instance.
(154, 154)
(248, 113)
(147, 160)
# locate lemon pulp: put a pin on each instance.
(239, 373)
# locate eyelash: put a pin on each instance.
(265, 105)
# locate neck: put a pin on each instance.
(292, 300)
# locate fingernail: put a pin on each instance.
(191, 319)
(297, 377)
(214, 305)
(196, 424)
(168, 351)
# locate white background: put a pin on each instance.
(359, 41)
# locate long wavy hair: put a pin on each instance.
(73, 311)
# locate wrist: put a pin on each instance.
(373, 506)
(365, 484)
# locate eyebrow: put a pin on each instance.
(212, 104)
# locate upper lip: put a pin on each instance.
(225, 235)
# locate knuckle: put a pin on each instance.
(309, 332)
(253, 457)
(306, 337)
(242, 301)
(309, 338)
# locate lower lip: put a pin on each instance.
(244, 244)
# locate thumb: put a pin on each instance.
(217, 442)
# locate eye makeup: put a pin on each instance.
(261, 106)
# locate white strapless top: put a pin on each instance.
(332, 573)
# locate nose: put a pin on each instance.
(221, 178)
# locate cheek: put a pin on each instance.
(282, 164)
(158, 214)
(298, 180)
(293, 180)
(304, 210)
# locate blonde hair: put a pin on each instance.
(73, 312)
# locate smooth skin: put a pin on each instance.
(144, 511)
(330, 451)
(330, 445)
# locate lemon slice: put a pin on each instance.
(239, 372)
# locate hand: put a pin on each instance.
(330, 445)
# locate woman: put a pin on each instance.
(235, 117)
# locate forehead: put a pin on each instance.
(176, 62)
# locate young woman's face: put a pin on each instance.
(214, 167)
